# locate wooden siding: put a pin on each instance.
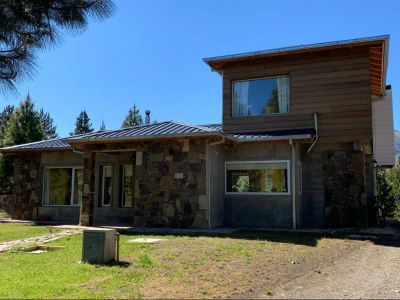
(335, 84)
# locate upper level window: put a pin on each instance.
(260, 96)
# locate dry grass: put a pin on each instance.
(237, 265)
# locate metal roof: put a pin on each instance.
(316, 46)
(160, 130)
(54, 144)
(148, 131)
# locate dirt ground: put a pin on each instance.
(371, 271)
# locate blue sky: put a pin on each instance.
(150, 53)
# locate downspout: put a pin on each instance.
(293, 183)
(316, 132)
(208, 175)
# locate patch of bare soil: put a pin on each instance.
(372, 271)
(236, 268)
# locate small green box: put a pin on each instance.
(98, 245)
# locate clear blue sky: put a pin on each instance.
(150, 53)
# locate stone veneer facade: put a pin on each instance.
(170, 182)
(27, 186)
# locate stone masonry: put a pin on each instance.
(170, 182)
(27, 186)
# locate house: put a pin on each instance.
(303, 130)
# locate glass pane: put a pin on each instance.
(58, 186)
(107, 185)
(127, 195)
(257, 178)
(78, 186)
(262, 96)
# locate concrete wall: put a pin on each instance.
(272, 211)
(216, 155)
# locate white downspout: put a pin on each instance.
(293, 183)
(208, 175)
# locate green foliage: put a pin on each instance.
(24, 125)
(133, 118)
(384, 192)
(28, 26)
(393, 177)
(145, 261)
(82, 124)
(49, 129)
(5, 116)
(102, 126)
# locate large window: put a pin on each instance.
(260, 96)
(127, 185)
(106, 185)
(63, 186)
(266, 177)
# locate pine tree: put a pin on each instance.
(5, 116)
(28, 26)
(82, 124)
(49, 129)
(102, 126)
(133, 118)
(24, 126)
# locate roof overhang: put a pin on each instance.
(378, 54)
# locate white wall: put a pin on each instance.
(383, 132)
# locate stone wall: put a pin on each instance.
(27, 187)
(170, 182)
(334, 185)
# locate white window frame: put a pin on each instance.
(123, 183)
(287, 162)
(71, 200)
(102, 185)
(260, 78)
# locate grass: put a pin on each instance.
(11, 232)
(178, 267)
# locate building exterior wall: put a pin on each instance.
(334, 186)
(336, 84)
(383, 143)
(269, 211)
(170, 183)
(27, 186)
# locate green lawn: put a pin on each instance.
(180, 266)
(11, 232)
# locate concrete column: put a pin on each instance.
(87, 206)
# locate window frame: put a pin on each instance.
(71, 199)
(102, 184)
(287, 162)
(261, 78)
(122, 184)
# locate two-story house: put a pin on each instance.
(303, 131)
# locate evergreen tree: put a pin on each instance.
(49, 129)
(27, 26)
(133, 118)
(82, 124)
(102, 126)
(5, 116)
(24, 126)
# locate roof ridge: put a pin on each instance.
(195, 126)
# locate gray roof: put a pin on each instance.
(160, 130)
(149, 131)
(54, 144)
(252, 54)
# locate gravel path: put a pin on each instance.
(373, 271)
(4, 246)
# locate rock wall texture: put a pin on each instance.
(170, 183)
(27, 187)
